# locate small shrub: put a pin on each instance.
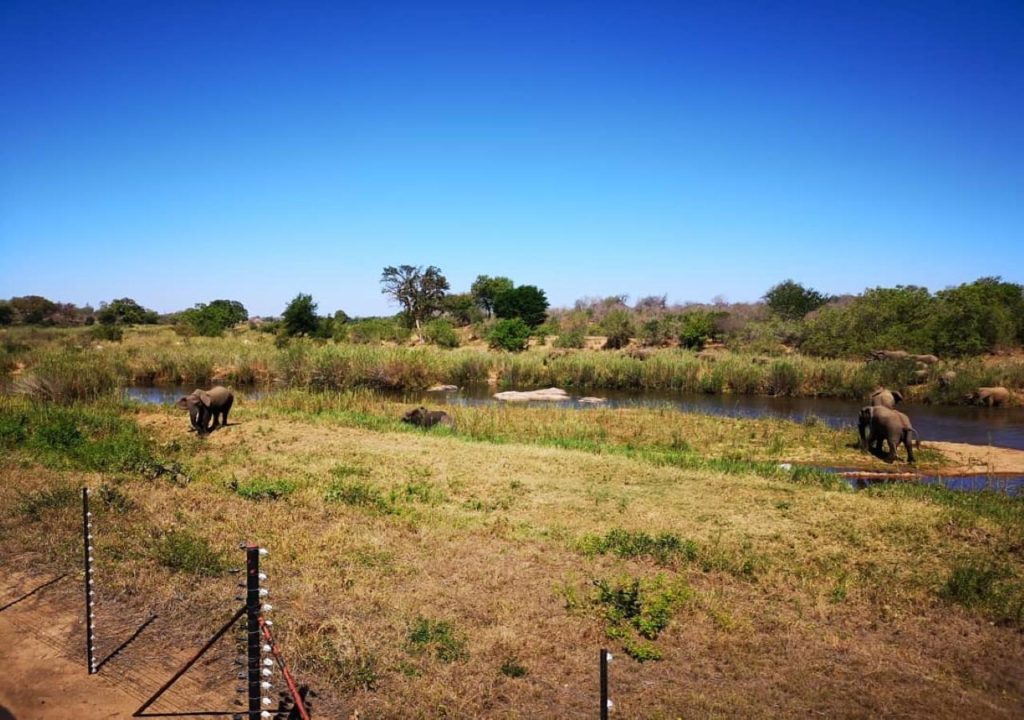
(511, 667)
(663, 548)
(574, 339)
(972, 584)
(183, 551)
(357, 493)
(438, 636)
(110, 333)
(641, 606)
(512, 335)
(114, 499)
(441, 333)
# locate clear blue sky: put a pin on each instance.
(177, 152)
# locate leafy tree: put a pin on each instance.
(6, 313)
(485, 290)
(125, 311)
(526, 302)
(978, 317)
(418, 291)
(697, 327)
(880, 318)
(32, 309)
(299, 317)
(511, 334)
(792, 301)
(211, 320)
(462, 309)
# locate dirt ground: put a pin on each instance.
(976, 459)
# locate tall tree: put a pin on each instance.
(526, 301)
(420, 292)
(485, 289)
(300, 316)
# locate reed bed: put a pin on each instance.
(68, 365)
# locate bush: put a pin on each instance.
(525, 302)
(571, 339)
(111, 333)
(441, 333)
(697, 328)
(448, 645)
(186, 552)
(512, 335)
(618, 327)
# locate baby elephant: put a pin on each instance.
(204, 405)
(886, 398)
(884, 424)
(422, 417)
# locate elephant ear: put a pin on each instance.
(205, 397)
(897, 396)
(182, 403)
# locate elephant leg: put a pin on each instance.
(891, 455)
(909, 445)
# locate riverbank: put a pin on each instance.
(69, 364)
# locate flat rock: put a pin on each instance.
(592, 400)
(442, 388)
(548, 394)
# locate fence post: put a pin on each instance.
(90, 594)
(606, 704)
(252, 627)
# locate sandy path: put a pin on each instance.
(977, 459)
(39, 683)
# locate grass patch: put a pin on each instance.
(358, 493)
(35, 503)
(663, 548)
(438, 638)
(184, 551)
(265, 488)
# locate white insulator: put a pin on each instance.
(265, 685)
(268, 623)
(265, 715)
(263, 576)
(610, 704)
(608, 656)
(266, 701)
(267, 607)
(90, 558)
(88, 514)
(268, 662)
(263, 551)
(267, 648)
(264, 592)
(266, 673)
(89, 537)
(92, 604)
(90, 548)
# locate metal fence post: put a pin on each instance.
(90, 594)
(252, 617)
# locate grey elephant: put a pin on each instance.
(877, 424)
(947, 378)
(886, 398)
(889, 354)
(421, 417)
(991, 396)
(206, 405)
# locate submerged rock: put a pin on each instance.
(442, 388)
(592, 400)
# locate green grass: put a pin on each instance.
(266, 488)
(438, 638)
(186, 552)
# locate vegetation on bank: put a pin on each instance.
(68, 364)
(417, 566)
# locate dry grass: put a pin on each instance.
(800, 600)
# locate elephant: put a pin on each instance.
(204, 405)
(990, 396)
(421, 417)
(925, 359)
(885, 424)
(919, 377)
(946, 379)
(889, 354)
(886, 398)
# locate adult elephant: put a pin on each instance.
(204, 405)
(885, 398)
(990, 396)
(421, 417)
(877, 424)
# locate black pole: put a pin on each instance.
(90, 595)
(252, 615)
(604, 684)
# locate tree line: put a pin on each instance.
(982, 316)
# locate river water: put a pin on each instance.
(1001, 427)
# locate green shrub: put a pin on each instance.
(618, 327)
(663, 548)
(571, 339)
(641, 606)
(512, 335)
(358, 493)
(441, 333)
(111, 333)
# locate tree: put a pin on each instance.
(792, 301)
(211, 320)
(526, 302)
(125, 311)
(618, 327)
(462, 309)
(418, 291)
(32, 309)
(299, 317)
(6, 313)
(511, 334)
(485, 290)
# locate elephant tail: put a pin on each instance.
(917, 440)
